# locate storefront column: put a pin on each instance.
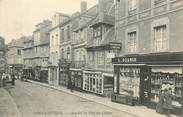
(57, 76)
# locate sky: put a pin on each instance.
(19, 17)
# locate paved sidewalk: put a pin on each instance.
(8, 107)
(139, 111)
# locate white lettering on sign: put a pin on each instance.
(128, 60)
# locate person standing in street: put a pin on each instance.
(13, 79)
(167, 105)
(159, 107)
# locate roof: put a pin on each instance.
(83, 24)
(61, 24)
(108, 37)
(105, 19)
(82, 20)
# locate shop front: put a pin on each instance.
(53, 75)
(29, 72)
(130, 84)
(44, 75)
(97, 82)
(77, 77)
(141, 78)
(64, 72)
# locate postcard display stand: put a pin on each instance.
(161, 81)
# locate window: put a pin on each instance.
(132, 5)
(19, 52)
(56, 40)
(68, 33)
(100, 58)
(132, 42)
(52, 41)
(62, 35)
(68, 53)
(62, 53)
(160, 38)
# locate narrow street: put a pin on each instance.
(36, 101)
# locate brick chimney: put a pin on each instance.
(83, 6)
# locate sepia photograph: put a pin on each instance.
(91, 58)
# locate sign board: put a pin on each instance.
(110, 55)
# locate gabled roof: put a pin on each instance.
(84, 19)
(105, 19)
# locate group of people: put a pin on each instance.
(7, 78)
(165, 102)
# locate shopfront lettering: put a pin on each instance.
(127, 60)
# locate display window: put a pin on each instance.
(129, 81)
(161, 81)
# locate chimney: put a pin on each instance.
(83, 6)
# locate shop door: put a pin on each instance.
(146, 88)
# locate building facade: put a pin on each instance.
(15, 56)
(152, 30)
(65, 52)
(80, 34)
(28, 57)
(55, 41)
(41, 50)
(2, 55)
(101, 48)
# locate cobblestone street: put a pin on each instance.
(50, 102)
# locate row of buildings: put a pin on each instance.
(128, 50)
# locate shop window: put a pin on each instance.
(129, 81)
(160, 38)
(161, 81)
(132, 42)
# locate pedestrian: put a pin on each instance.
(167, 105)
(13, 79)
(159, 107)
(3, 80)
(71, 85)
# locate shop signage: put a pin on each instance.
(110, 55)
(115, 45)
(127, 60)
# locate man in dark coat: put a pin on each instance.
(167, 105)
(159, 107)
(13, 79)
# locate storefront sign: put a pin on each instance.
(110, 55)
(125, 60)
